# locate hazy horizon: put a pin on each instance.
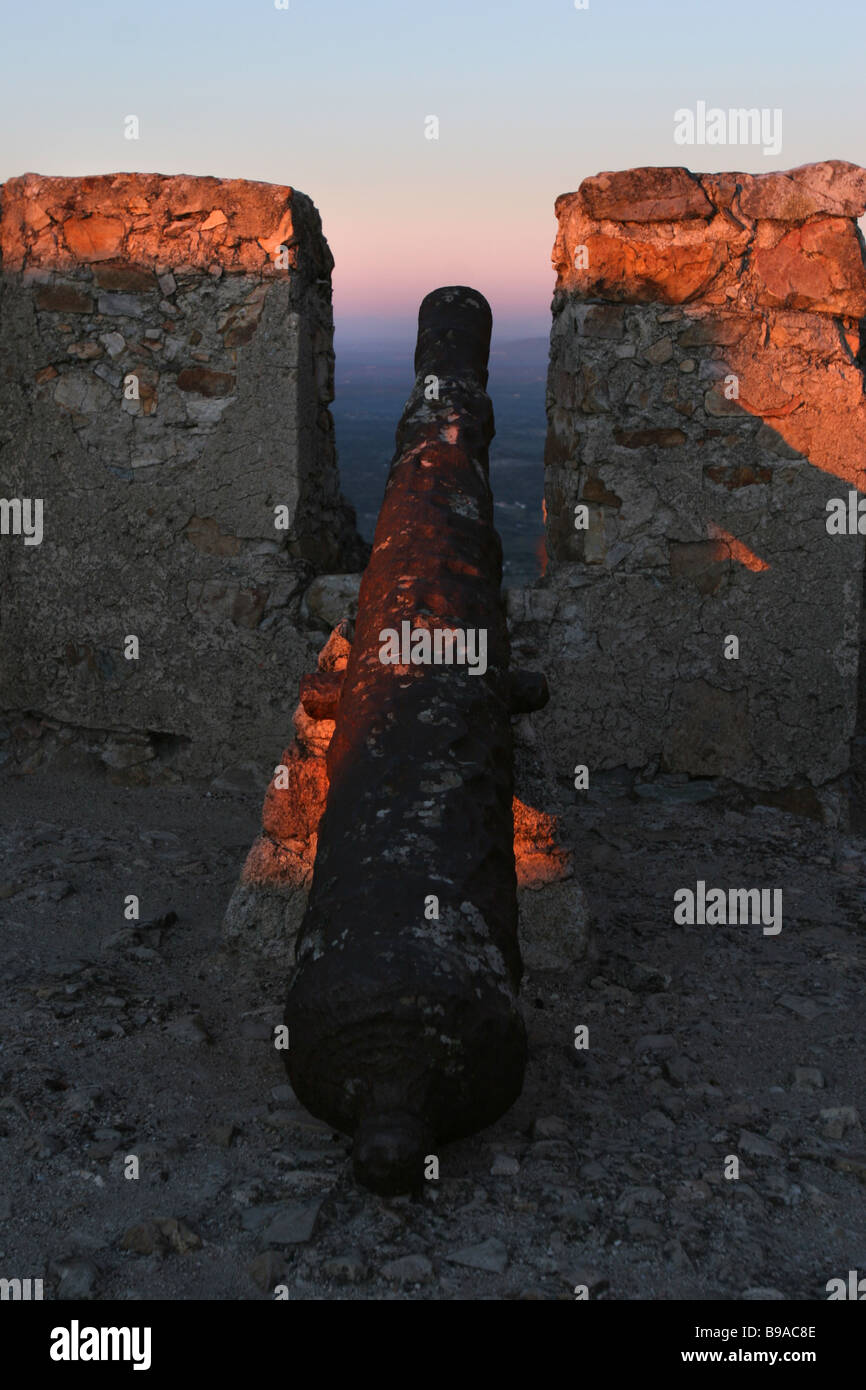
(372, 383)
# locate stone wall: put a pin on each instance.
(166, 366)
(705, 403)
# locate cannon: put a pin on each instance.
(404, 1029)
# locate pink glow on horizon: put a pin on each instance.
(378, 274)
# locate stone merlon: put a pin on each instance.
(166, 372)
(705, 408)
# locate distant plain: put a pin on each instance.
(372, 384)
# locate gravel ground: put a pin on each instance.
(122, 1038)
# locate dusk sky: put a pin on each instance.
(531, 97)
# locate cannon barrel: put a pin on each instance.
(404, 1027)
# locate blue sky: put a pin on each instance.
(332, 98)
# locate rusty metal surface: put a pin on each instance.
(404, 1028)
